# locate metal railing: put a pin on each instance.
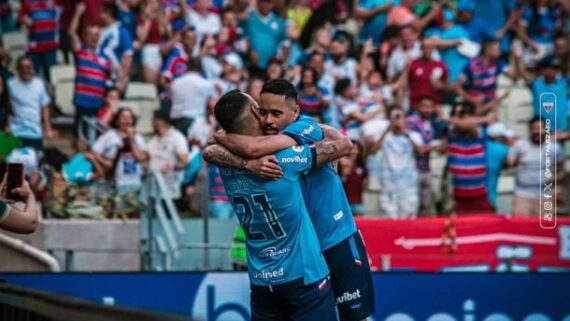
(90, 129)
(18, 304)
(163, 239)
(38, 255)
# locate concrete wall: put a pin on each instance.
(83, 245)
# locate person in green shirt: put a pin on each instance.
(14, 220)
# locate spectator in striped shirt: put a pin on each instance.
(466, 159)
(478, 81)
(116, 42)
(41, 19)
(177, 53)
(420, 122)
(93, 69)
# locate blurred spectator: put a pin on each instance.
(537, 29)
(496, 152)
(6, 19)
(297, 16)
(478, 30)
(527, 157)
(152, 29)
(324, 79)
(67, 11)
(550, 80)
(341, 65)
(427, 77)
(191, 96)
(5, 60)
(254, 87)
(420, 122)
(500, 16)
(117, 44)
(30, 106)
(352, 169)
(232, 67)
(5, 105)
(478, 82)
(122, 151)
(375, 91)
(562, 53)
(106, 114)
(168, 150)
(265, 31)
(448, 37)
(202, 18)
(399, 195)
(93, 70)
(409, 49)
(353, 115)
(374, 13)
(310, 98)
(403, 15)
(14, 219)
(274, 70)
(33, 173)
(128, 15)
(466, 159)
(176, 53)
(41, 19)
(219, 204)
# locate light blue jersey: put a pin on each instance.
(282, 245)
(324, 194)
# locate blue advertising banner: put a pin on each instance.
(399, 296)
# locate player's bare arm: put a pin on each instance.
(333, 147)
(254, 146)
(265, 167)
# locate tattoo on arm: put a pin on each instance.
(326, 152)
(218, 155)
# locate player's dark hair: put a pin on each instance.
(229, 110)
(111, 9)
(280, 87)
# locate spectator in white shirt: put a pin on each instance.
(122, 151)
(30, 106)
(169, 152)
(202, 19)
(191, 96)
(341, 66)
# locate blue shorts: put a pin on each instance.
(351, 278)
(294, 301)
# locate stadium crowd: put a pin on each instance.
(406, 80)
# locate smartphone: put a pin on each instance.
(15, 172)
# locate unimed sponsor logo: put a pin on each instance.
(268, 275)
(347, 297)
(296, 159)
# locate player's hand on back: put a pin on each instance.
(265, 167)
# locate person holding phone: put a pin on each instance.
(11, 218)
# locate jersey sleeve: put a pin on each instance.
(297, 159)
(304, 131)
(4, 209)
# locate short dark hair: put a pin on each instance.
(280, 87)
(229, 110)
(111, 9)
(22, 58)
(341, 86)
(194, 64)
(534, 119)
(115, 119)
(110, 89)
(393, 108)
(487, 43)
(425, 97)
(162, 115)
